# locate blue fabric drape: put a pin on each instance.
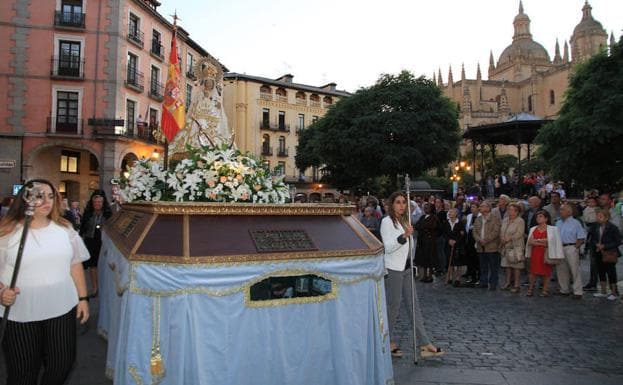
(208, 335)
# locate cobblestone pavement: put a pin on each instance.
(504, 338)
(492, 338)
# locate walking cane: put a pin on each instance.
(448, 275)
(408, 188)
(33, 197)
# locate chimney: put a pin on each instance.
(287, 78)
(329, 87)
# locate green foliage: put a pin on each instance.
(585, 143)
(436, 183)
(402, 124)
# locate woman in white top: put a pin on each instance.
(50, 292)
(398, 241)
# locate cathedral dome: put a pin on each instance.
(527, 49)
(523, 46)
(588, 25)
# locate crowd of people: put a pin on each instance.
(467, 242)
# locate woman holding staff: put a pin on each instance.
(50, 291)
(397, 239)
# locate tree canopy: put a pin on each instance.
(585, 144)
(401, 124)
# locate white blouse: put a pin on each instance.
(47, 289)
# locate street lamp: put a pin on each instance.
(155, 155)
(459, 168)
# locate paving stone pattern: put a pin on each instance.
(502, 332)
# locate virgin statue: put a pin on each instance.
(206, 121)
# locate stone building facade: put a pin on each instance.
(267, 116)
(81, 88)
(524, 78)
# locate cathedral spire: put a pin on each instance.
(439, 78)
(522, 25)
(565, 55)
(557, 57)
(587, 11)
(450, 79)
(478, 74)
(491, 61)
(463, 72)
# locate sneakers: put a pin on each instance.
(612, 297)
(589, 287)
(599, 295)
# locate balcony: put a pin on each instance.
(265, 96)
(136, 36)
(281, 98)
(67, 68)
(69, 19)
(156, 49)
(156, 91)
(267, 151)
(283, 152)
(314, 103)
(64, 125)
(274, 127)
(190, 74)
(134, 79)
(301, 102)
(139, 131)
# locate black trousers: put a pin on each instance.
(606, 270)
(49, 344)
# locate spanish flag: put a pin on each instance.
(173, 114)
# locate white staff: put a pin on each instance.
(408, 190)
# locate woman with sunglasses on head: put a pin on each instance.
(397, 237)
(50, 292)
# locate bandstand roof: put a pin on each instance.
(520, 128)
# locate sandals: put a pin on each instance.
(544, 294)
(397, 353)
(430, 352)
(530, 293)
(515, 290)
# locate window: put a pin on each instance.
(66, 111)
(265, 118)
(266, 145)
(132, 68)
(189, 94)
(134, 29)
(69, 58)
(70, 14)
(301, 122)
(314, 119)
(301, 98)
(282, 144)
(155, 88)
(94, 165)
(130, 113)
(153, 118)
(156, 44)
(314, 100)
(69, 161)
(266, 92)
(529, 102)
(291, 289)
(190, 62)
(281, 168)
(327, 100)
(552, 97)
(282, 120)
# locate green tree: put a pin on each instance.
(585, 144)
(401, 124)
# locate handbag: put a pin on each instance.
(609, 256)
(513, 255)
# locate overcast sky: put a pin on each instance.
(351, 42)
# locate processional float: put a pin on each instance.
(209, 277)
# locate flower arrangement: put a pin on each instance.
(206, 175)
